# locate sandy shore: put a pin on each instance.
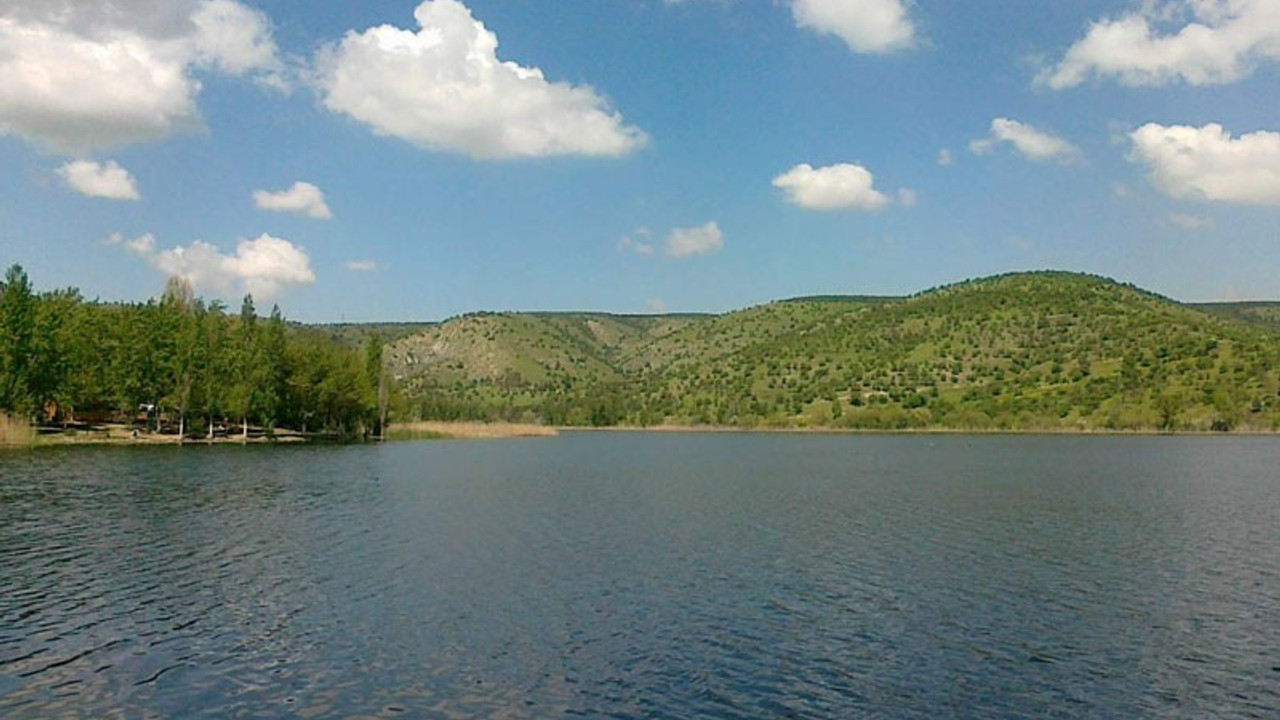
(113, 434)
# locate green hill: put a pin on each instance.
(1265, 314)
(1035, 351)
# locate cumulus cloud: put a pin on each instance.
(835, 187)
(263, 267)
(235, 39)
(866, 26)
(1031, 143)
(303, 198)
(102, 180)
(362, 265)
(1207, 164)
(83, 76)
(1220, 41)
(444, 88)
(690, 241)
(945, 158)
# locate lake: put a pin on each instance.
(632, 575)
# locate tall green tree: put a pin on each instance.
(182, 322)
(17, 335)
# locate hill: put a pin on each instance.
(1265, 314)
(1035, 351)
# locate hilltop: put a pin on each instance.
(1032, 351)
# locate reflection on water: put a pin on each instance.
(645, 576)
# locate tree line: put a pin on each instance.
(180, 364)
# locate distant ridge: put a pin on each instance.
(1048, 350)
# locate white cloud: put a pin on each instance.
(362, 265)
(1031, 143)
(656, 305)
(866, 26)
(835, 187)
(1206, 163)
(1190, 222)
(83, 76)
(303, 198)
(153, 18)
(945, 158)
(142, 244)
(444, 88)
(637, 242)
(908, 197)
(263, 267)
(234, 38)
(93, 179)
(703, 240)
(1221, 42)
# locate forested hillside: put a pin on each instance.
(1037, 351)
(178, 364)
(1031, 351)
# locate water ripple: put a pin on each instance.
(702, 577)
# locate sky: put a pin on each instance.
(395, 160)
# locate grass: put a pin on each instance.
(16, 432)
(465, 431)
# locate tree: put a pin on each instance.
(271, 372)
(50, 367)
(214, 363)
(376, 377)
(242, 398)
(179, 307)
(17, 333)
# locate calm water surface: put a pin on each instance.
(646, 576)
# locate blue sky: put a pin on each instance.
(384, 160)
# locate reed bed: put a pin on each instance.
(466, 431)
(15, 432)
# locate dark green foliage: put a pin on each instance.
(176, 364)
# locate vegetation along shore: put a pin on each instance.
(1037, 352)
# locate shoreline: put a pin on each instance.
(125, 437)
(120, 435)
(1066, 432)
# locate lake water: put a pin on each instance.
(646, 576)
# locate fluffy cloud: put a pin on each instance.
(93, 179)
(835, 187)
(687, 242)
(263, 267)
(234, 39)
(79, 79)
(303, 198)
(1206, 163)
(866, 26)
(444, 88)
(1221, 41)
(1031, 143)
